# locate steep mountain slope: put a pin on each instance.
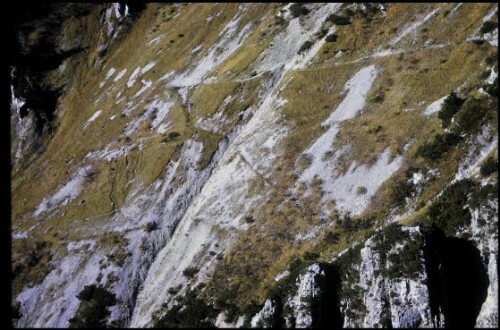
(256, 164)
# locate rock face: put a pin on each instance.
(376, 287)
(255, 165)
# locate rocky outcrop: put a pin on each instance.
(387, 281)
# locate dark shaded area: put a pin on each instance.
(278, 321)
(465, 282)
(326, 308)
(457, 279)
(34, 59)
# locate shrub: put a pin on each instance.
(190, 311)
(93, 310)
(492, 89)
(481, 195)
(338, 20)
(150, 226)
(361, 190)
(450, 106)
(298, 9)
(489, 166)
(305, 46)
(440, 145)
(190, 272)
(171, 136)
(374, 97)
(472, 114)
(401, 190)
(332, 238)
(249, 219)
(448, 212)
(491, 59)
(174, 291)
(488, 26)
(321, 33)
(406, 263)
(310, 256)
(331, 37)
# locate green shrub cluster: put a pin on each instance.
(93, 310)
(150, 226)
(450, 106)
(441, 144)
(489, 166)
(488, 26)
(298, 9)
(190, 311)
(472, 114)
(171, 137)
(305, 46)
(190, 272)
(449, 211)
(492, 88)
(338, 19)
(332, 37)
(406, 263)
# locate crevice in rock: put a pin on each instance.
(325, 309)
(457, 279)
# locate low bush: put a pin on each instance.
(441, 144)
(332, 37)
(472, 114)
(298, 9)
(321, 33)
(171, 137)
(190, 311)
(305, 46)
(93, 311)
(488, 26)
(361, 190)
(489, 166)
(150, 226)
(338, 20)
(448, 212)
(492, 89)
(450, 106)
(190, 272)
